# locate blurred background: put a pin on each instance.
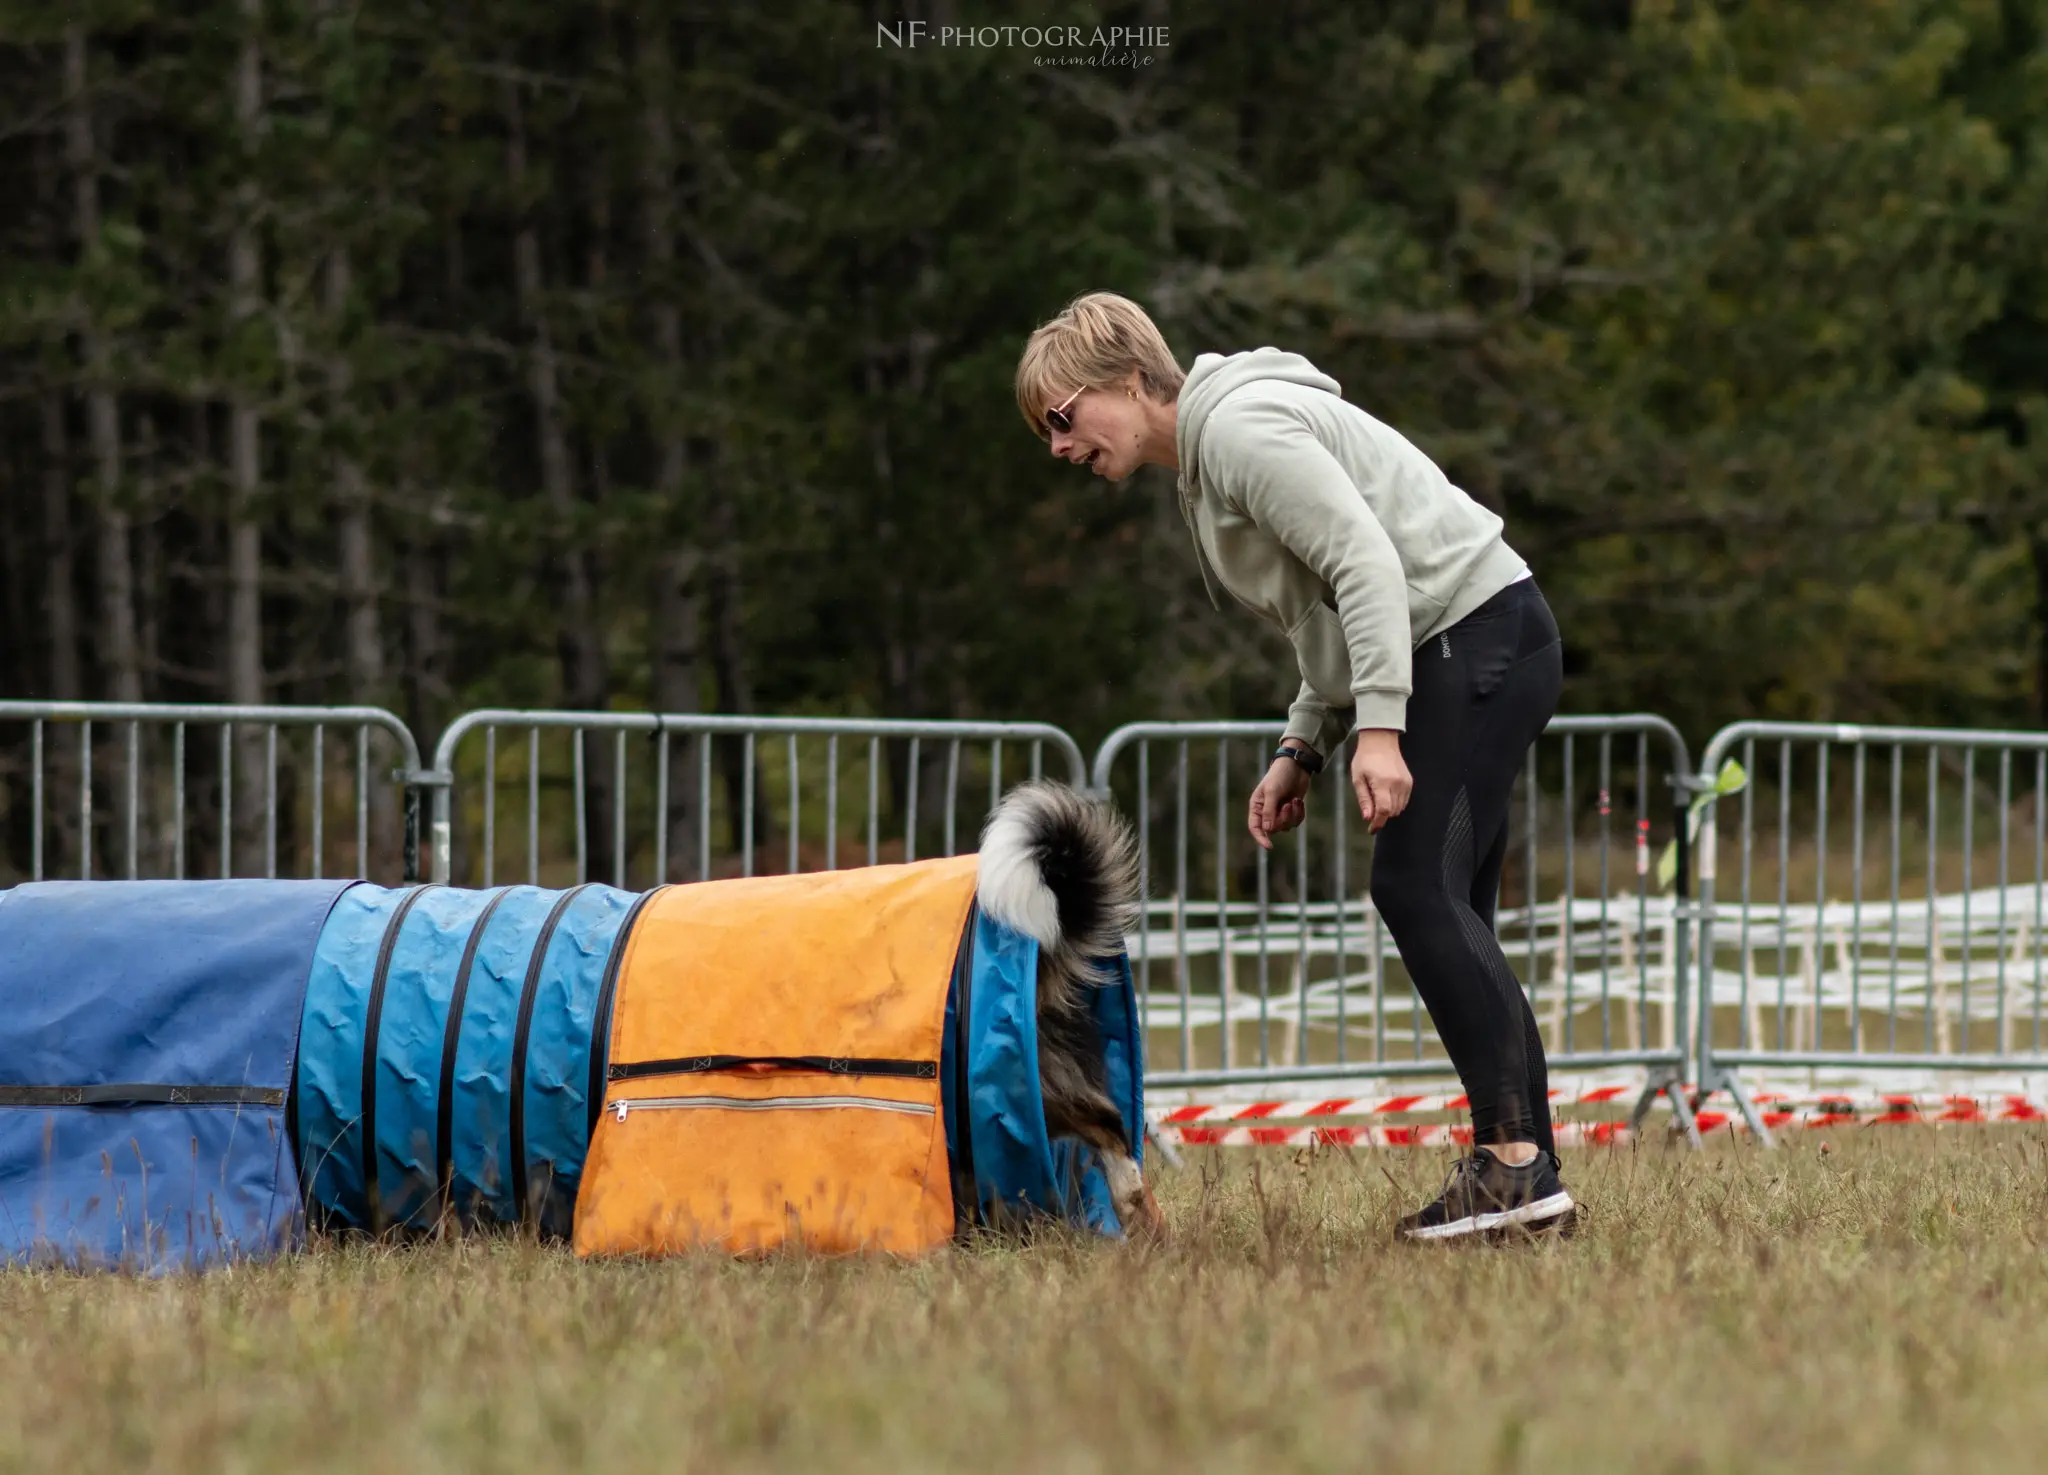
(657, 357)
(437, 355)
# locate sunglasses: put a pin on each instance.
(1059, 419)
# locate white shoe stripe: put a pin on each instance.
(1531, 1213)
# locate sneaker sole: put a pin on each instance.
(1526, 1216)
(1564, 1226)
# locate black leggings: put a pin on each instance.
(1483, 691)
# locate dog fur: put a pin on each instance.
(1063, 870)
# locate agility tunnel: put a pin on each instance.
(147, 1035)
(445, 1056)
(845, 1060)
(190, 1071)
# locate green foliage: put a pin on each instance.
(1737, 313)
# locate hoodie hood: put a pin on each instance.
(1214, 376)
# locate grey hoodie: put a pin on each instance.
(1334, 527)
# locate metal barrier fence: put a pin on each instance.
(1920, 966)
(124, 794)
(832, 791)
(1607, 972)
(1899, 931)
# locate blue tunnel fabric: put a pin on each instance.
(1019, 1171)
(274, 989)
(1087, 1198)
(557, 1083)
(152, 983)
(328, 1092)
(497, 933)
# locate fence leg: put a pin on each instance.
(1166, 1150)
(1666, 1082)
(1674, 1088)
(418, 783)
(1726, 1080)
(412, 834)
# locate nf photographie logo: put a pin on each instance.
(1055, 45)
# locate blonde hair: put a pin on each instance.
(1096, 342)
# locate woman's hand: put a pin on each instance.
(1379, 776)
(1280, 801)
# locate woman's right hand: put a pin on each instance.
(1280, 802)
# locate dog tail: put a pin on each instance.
(1062, 869)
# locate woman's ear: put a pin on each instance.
(1133, 384)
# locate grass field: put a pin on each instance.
(1879, 1307)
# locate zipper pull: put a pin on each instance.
(619, 1110)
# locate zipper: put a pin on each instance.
(621, 1108)
(966, 1195)
(837, 1065)
(601, 1016)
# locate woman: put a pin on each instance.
(1412, 621)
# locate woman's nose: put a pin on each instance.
(1061, 444)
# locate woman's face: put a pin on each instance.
(1108, 434)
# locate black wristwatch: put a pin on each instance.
(1302, 756)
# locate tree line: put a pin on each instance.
(439, 355)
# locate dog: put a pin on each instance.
(1063, 870)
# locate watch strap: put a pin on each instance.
(1308, 760)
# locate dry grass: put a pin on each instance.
(1880, 1308)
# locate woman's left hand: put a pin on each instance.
(1380, 777)
(1280, 802)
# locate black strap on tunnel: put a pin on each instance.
(832, 1065)
(520, 1035)
(601, 1017)
(966, 1189)
(136, 1093)
(451, 1040)
(373, 1017)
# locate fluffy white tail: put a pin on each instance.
(1063, 870)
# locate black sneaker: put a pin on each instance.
(1485, 1196)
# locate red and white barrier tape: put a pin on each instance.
(1305, 1123)
(1255, 1111)
(1569, 1134)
